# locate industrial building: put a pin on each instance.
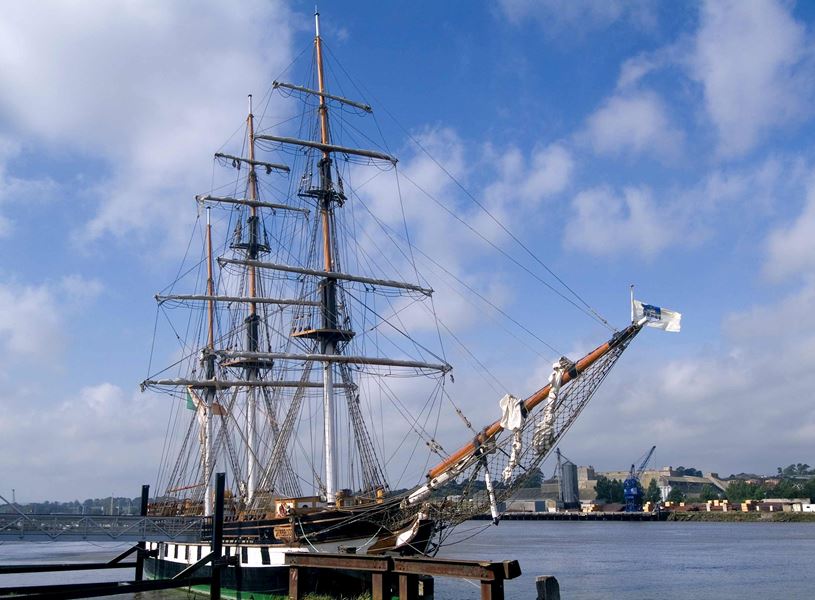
(579, 486)
(667, 479)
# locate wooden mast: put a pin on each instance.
(329, 292)
(323, 112)
(209, 357)
(210, 288)
(252, 320)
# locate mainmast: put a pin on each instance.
(327, 337)
(253, 319)
(208, 357)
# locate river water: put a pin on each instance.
(592, 561)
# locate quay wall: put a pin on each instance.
(743, 517)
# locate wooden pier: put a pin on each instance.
(396, 575)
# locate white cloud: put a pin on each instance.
(649, 221)
(150, 89)
(608, 223)
(754, 62)
(18, 191)
(546, 172)
(791, 248)
(634, 124)
(32, 317)
(79, 290)
(583, 15)
(30, 323)
(639, 67)
(119, 434)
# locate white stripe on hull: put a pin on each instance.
(250, 555)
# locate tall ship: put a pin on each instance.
(297, 373)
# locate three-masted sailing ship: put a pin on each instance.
(286, 342)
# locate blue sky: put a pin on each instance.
(660, 144)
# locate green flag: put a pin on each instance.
(190, 402)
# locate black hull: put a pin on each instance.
(265, 583)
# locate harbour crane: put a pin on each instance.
(632, 489)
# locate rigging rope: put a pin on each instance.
(586, 308)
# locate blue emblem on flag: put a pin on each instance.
(652, 312)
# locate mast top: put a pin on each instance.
(316, 22)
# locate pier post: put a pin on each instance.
(145, 495)
(295, 591)
(379, 586)
(408, 586)
(217, 537)
(492, 590)
(548, 588)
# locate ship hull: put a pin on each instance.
(261, 570)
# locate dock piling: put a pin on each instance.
(217, 537)
(408, 586)
(548, 587)
(145, 496)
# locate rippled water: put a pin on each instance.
(665, 561)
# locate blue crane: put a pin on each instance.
(632, 489)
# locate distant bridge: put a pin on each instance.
(101, 528)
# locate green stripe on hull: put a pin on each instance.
(236, 595)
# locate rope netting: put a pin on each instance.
(468, 495)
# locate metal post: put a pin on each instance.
(145, 495)
(217, 537)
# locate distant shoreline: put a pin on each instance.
(698, 516)
(742, 517)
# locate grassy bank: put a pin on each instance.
(744, 517)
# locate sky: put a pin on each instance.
(658, 144)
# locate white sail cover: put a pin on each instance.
(512, 418)
(658, 317)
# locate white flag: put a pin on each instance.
(658, 317)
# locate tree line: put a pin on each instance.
(91, 506)
(611, 490)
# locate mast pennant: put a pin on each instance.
(656, 316)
